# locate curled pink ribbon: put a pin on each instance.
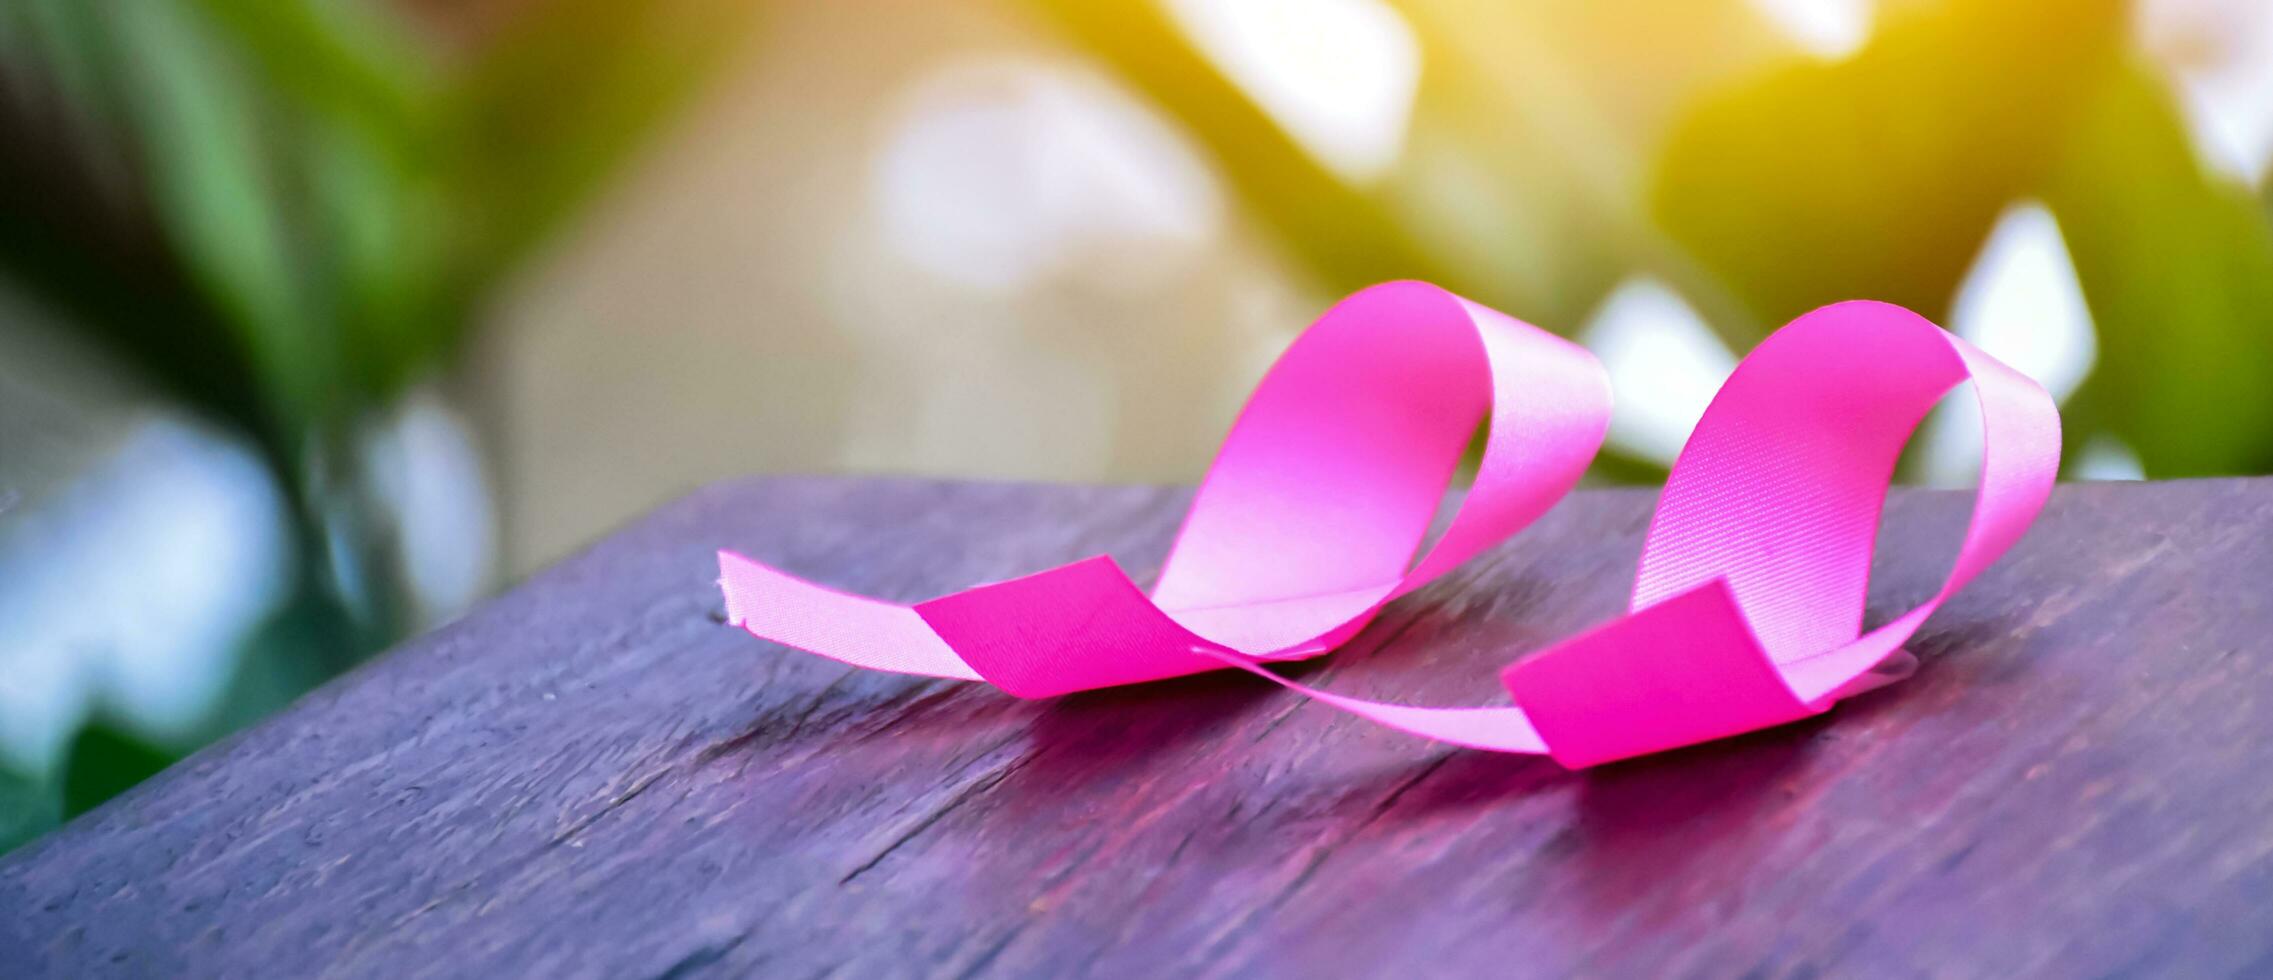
(1748, 605)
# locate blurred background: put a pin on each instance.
(322, 319)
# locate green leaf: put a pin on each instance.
(1880, 175)
(362, 187)
(1344, 236)
(203, 132)
(27, 809)
(561, 99)
(1522, 172)
(105, 762)
(1563, 105)
(384, 237)
(2177, 266)
(343, 61)
(63, 39)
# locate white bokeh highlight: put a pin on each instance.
(427, 476)
(996, 174)
(2107, 458)
(1665, 365)
(2022, 304)
(1827, 29)
(135, 590)
(1339, 76)
(2219, 56)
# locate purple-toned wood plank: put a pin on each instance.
(591, 777)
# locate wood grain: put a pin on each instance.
(590, 776)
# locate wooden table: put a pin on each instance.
(591, 776)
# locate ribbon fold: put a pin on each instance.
(1748, 605)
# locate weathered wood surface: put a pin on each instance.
(592, 776)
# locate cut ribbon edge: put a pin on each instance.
(1750, 591)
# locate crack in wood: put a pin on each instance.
(967, 792)
(701, 958)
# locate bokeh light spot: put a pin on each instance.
(1338, 75)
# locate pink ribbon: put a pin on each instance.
(1748, 605)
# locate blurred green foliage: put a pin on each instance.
(1556, 148)
(317, 196)
(1880, 175)
(285, 211)
(2178, 270)
(27, 809)
(1518, 183)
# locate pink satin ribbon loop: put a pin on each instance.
(1749, 597)
(1306, 524)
